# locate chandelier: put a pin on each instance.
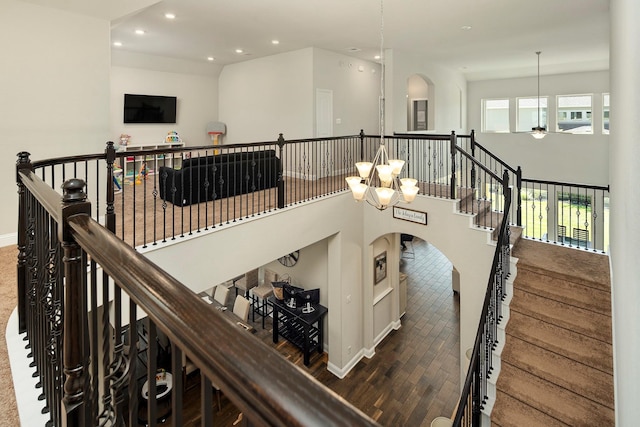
(378, 182)
(538, 132)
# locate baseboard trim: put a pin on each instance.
(393, 326)
(342, 372)
(8, 239)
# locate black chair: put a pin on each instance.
(406, 244)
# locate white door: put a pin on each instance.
(324, 113)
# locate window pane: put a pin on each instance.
(495, 115)
(528, 113)
(605, 113)
(574, 114)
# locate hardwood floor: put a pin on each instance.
(414, 375)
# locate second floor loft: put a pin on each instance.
(451, 180)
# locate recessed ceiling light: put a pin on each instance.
(466, 27)
(376, 57)
(170, 16)
(239, 51)
(140, 32)
(210, 58)
(354, 49)
(117, 44)
(275, 42)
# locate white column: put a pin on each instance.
(625, 205)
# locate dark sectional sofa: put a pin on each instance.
(202, 179)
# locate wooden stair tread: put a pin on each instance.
(568, 343)
(572, 293)
(558, 402)
(586, 322)
(562, 371)
(511, 412)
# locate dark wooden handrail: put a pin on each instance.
(478, 164)
(566, 184)
(494, 157)
(265, 386)
(472, 378)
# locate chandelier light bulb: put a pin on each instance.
(359, 191)
(385, 175)
(408, 182)
(353, 180)
(364, 168)
(385, 195)
(396, 165)
(409, 193)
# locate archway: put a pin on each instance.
(420, 103)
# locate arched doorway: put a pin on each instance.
(420, 103)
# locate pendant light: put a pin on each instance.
(378, 182)
(538, 132)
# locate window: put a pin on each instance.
(574, 114)
(495, 115)
(605, 113)
(528, 114)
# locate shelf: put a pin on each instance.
(133, 162)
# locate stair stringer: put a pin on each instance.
(502, 325)
(497, 352)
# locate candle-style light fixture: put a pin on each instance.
(539, 132)
(378, 182)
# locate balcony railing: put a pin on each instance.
(114, 202)
(85, 288)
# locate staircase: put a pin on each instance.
(557, 364)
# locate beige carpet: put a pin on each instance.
(8, 301)
(557, 363)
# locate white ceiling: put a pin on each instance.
(573, 35)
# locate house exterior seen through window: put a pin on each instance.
(528, 113)
(495, 115)
(574, 114)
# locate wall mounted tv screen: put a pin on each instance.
(149, 109)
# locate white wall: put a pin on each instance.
(194, 84)
(467, 247)
(356, 88)
(232, 250)
(54, 87)
(448, 99)
(557, 157)
(337, 238)
(260, 98)
(264, 97)
(625, 204)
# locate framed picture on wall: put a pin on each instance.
(380, 267)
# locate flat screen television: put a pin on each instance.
(149, 108)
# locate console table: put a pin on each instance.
(304, 330)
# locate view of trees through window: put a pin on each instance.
(574, 216)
